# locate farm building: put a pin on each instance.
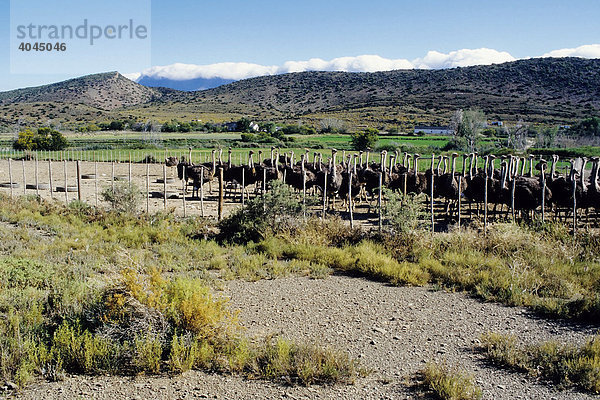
(434, 130)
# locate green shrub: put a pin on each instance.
(447, 383)
(403, 213)
(123, 197)
(276, 211)
(148, 353)
(566, 365)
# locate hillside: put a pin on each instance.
(542, 90)
(106, 91)
(557, 88)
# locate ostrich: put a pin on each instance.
(593, 194)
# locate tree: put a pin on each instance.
(364, 140)
(25, 140)
(243, 125)
(43, 139)
(546, 137)
(467, 127)
(516, 136)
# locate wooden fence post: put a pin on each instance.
(50, 176)
(147, 187)
(183, 192)
(220, 210)
(325, 196)
(37, 179)
(380, 222)
(96, 180)
(78, 180)
(24, 177)
(350, 201)
(164, 186)
(10, 177)
(66, 184)
(243, 184)
(202, 191)
(431, 192)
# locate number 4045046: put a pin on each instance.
(26, 46)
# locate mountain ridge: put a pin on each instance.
(538, 90)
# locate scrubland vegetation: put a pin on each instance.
(565, 365)
(85, 290)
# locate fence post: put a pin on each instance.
(350, 201)
(66, 185)
(243, 184)
(380, 222)
(202, 191)
(10, 177)
(147, 187)
(574, 191)
(183, 192)
(220, 210)
(129, 167)
(78, 180)
(96, 180)
(459, 198)
(164, 186)
(24, 178)
(325, 196)
(37, 180)
(485, 200)
(113, 175)
(543, 168)
(50, 176)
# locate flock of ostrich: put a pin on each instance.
(515, 188)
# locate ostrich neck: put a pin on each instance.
(553, 169)
(453, 166)
(416, 166)
(594, 176)
(531, 167)
(229, 160)
(464, 169)
(471, 167)
(582, 175)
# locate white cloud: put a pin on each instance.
(585, 51)
(134, 76)
(462, 58)
(365, 63)
(226, 70)
(362, 63)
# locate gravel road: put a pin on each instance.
(393, 331)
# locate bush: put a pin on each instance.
(364, 140)
(566, 365)
(124, 197)
(43, 139)
(403, 213)
(276, 211)
(447, 383)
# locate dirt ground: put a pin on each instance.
(91, 188)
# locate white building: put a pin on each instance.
(433, 130)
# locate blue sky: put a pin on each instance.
(270, 33)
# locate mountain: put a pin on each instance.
(184, 85)
(558, 87)
(106, 91)
(542, 90)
